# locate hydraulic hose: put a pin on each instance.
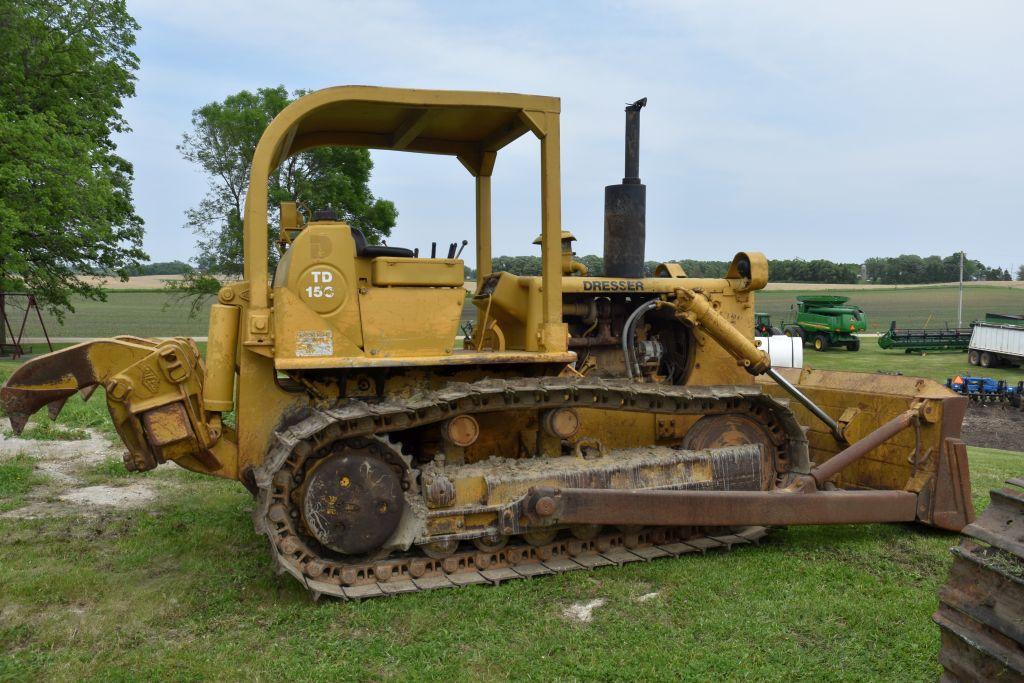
(632, 366)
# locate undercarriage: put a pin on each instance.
(352, 511)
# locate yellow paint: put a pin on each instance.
(385, 325)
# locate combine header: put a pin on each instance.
(918, 341)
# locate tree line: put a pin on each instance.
(904, 269)
(912, 269)
(159, 268)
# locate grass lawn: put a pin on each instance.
(910, 307)
(183, 590)
(934, 365)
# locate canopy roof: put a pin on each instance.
(471, 126)
(464, 124)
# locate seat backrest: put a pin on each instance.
(373, 250)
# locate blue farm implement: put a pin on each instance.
(988, 390)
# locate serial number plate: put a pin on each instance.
(314, 343)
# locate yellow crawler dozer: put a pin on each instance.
(586, 421)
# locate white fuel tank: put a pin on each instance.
(785, 352)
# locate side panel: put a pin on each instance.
(998, 339)
(263, 408)
(410, 321)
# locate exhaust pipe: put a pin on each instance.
(625, 208)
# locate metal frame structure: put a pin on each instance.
(14, 347)
(471, 126)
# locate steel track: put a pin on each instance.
(413, 570)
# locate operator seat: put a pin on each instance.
(372, 250)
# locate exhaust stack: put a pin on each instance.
(625, 208)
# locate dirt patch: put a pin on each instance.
(59, 461)
(63, 463)
(583, 612)
(116, 496)
(993, 426)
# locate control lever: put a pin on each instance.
(433, 250)
(464, 243)
(451, 250)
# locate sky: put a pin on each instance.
(800, 129)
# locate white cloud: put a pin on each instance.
(770, 125)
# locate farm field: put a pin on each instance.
(908, 306)
(157, 313)
(140, 313)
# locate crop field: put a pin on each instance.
(909, 306)
(140, 313)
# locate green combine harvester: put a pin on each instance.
(919, 341)
(824, 320)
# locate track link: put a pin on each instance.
(981, 606)
(413, 570)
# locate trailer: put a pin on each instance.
(919, 340)
(995, 345)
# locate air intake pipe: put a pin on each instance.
(625, 208)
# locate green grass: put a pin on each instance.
(49, 431)
(111, 468)
(934, 365)
(910, 307)
(184, 590)
(17, 477)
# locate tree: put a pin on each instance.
(222, 142)
(160, 268)
(65, 195)
(1020, 273)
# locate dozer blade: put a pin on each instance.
(926, 458)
